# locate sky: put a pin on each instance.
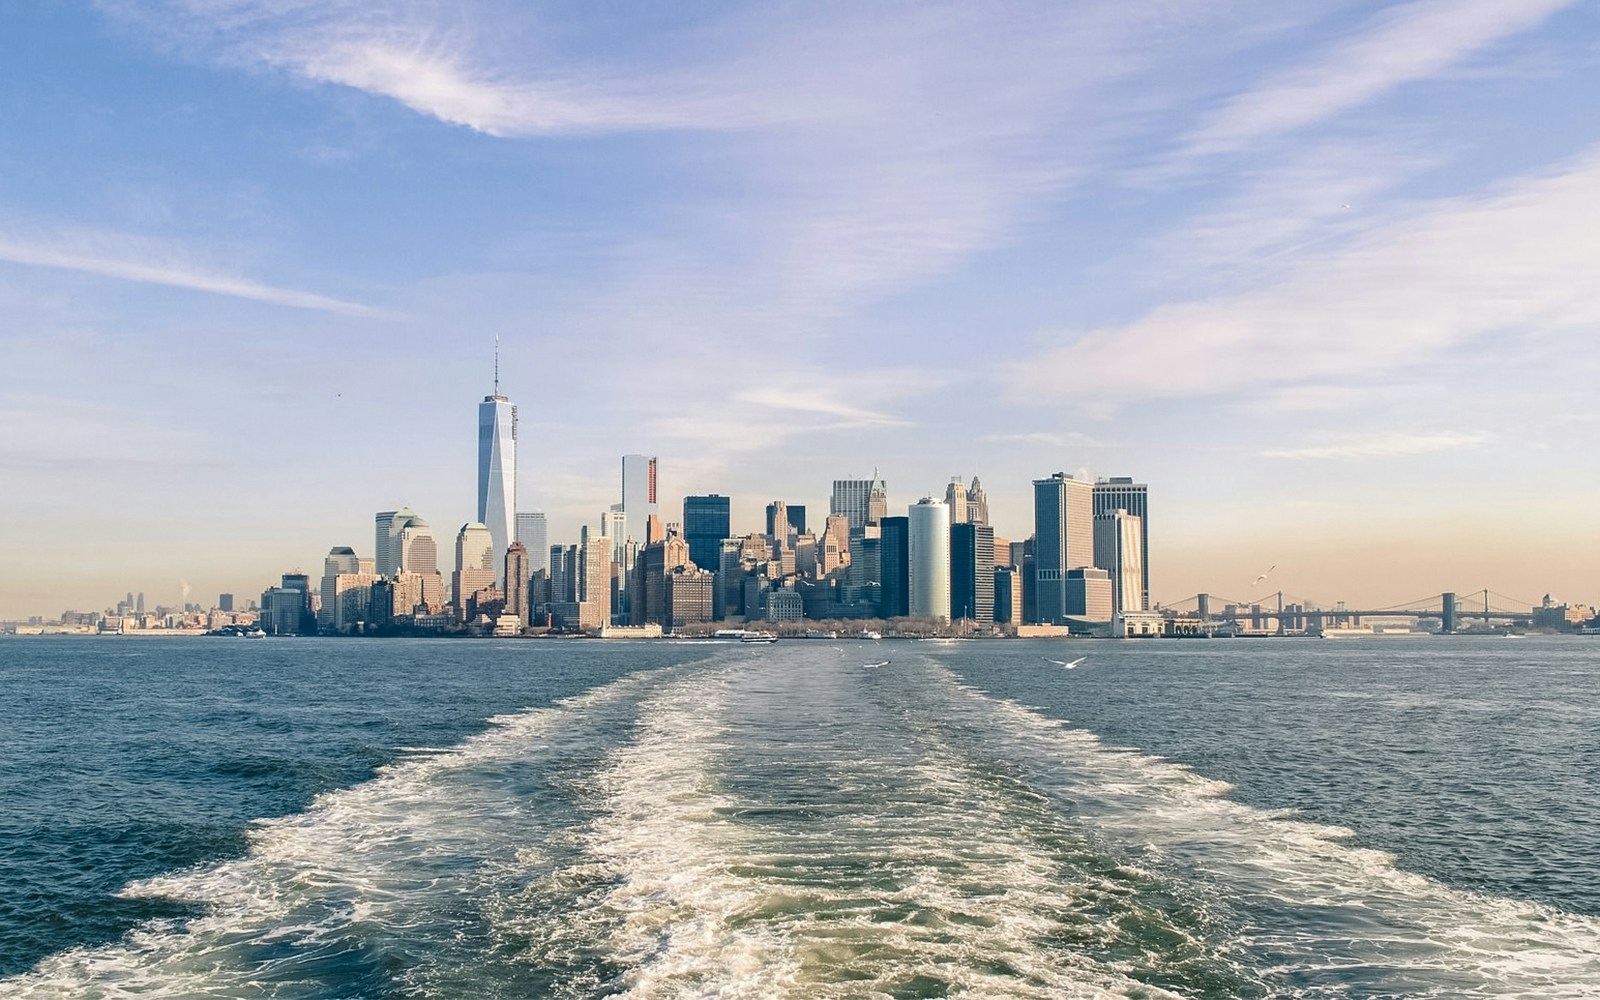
(1324, 275)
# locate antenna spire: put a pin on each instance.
(497, 364)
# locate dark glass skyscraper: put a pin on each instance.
(895, 566)
(705, 524)
(972, 572)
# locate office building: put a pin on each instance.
(1118, 549)
(286, 609)
(689, 596)
(972, 572)
(475, 565)
(706, 522)
(894, 567)
(1088, 594)
(225, 602)
(594, 582)
(955, 497)
(386, 550)
(977, 503)
(533, 531)
(638, 498)
(862, 501)
(928, 559)
(1063, 539)
(793, 513)
(1007, 596)
(1122, 493)
(517, 576)
(418, 553)
(340, 559)
(353, 598)
(497, 469)
(648, 595)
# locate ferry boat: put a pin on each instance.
(1375, 632)
(868, 633)
(758, 637)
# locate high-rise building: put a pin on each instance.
(1063, 539)
(1088, 590)
(1119, 550)
(386, 551)
(533, 531)
(340, 559)
(706, 522)
(894, 567)
(972, 572)
(353, 598)
(928, 557)
(977, 503)
(286, 609)
(1122, 493)
(780, 512)
(1007, 596)
(497, 468)
(418, 552)
(863, 501)
(648, 595)
(475, 564)
(689, 596)
(955, 497)
(594, 582)
(638, 497)
(517, 575)
(224, 602)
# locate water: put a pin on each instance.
(305, 818)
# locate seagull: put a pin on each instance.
(1263, 576)
(1064, 663)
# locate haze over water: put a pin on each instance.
(814, 819)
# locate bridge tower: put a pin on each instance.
(1449, 613)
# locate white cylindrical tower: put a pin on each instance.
(928, 550)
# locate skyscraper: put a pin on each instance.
(977, 503)
(475, 564)
(1119, 550)
(972, 572)
(1122, 493)
(1063, 528)
(386, 551)
(894, 567)
(928, 558)
(638, 496)
(341, 559)
(533, 533)
(497, 468)
(955, 497)
(794, 514)
(418, 552)
(863, 501)
(706, 522)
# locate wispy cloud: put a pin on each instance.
(1383, 446)
(1047, 439)
(1506, 265)
(1405, 43)
(172, 273)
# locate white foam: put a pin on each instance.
(1417, 930)
(378, 861)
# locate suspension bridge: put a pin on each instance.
(1289, 613)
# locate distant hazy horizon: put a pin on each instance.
(1322, 277)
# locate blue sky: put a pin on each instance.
(1323, 276)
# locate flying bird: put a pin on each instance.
(1064, 663)
(1263, 576)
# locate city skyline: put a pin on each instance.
(1321, 277)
